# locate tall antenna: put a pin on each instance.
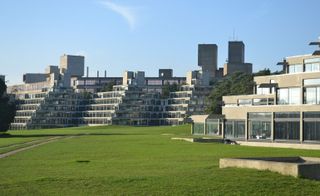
(234, 35)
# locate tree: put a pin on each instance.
(168, 88)
(235, 84)
(108, 86)
(7, 108)
(238, 83)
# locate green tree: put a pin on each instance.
(107, 87)
(234, 84)
(238, 83)
(167, 88)
(7, 108)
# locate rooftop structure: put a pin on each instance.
(236, 59)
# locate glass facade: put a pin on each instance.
(287, 125)
(244, 102)
(212, 126)
(311, 125)
(263, 91)
(259, 125)
(198, 128)
(234, 129)
(288, 96)
(296, 68)
(312, 67)
(315, 81)
(312, 95)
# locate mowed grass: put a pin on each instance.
(115, 160)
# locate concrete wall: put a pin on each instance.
(74, 65)
(229, 68)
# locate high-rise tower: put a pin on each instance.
(207, 58)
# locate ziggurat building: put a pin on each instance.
(64, 97)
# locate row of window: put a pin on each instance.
(310, 65)
(286, 126)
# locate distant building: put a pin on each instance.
(34, 77)
(236, 52)
(165, 73)
(208, 58)
(236, 59)
(73, 65)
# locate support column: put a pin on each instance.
(301, 127)
(246, 135)
(204, 127)
(272, 127)
(222, 128)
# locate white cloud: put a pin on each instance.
(128, 13)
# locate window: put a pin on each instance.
(263, 91)
(155, 82)
(198, 128)
(295, 68)
(312, 67)
(311, 125)
(287, 96)
(259, 125)
(282, 96)
(234, 129)
(315, 81)
(312, 95)
(263, 101)
(287, 125)
(244, 102)
(313, 60)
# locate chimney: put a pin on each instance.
(105, 73)
(97, 74)
(87, 71)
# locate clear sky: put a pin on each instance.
(119, 35)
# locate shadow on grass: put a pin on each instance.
(7, 135)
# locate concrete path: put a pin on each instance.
(34, 144)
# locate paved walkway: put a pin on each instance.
(34, 144)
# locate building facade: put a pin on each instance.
(284, 107)
(64, 97)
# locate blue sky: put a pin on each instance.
(120, 35)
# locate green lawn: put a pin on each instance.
(139, 161)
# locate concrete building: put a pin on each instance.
(64, 97)
(284, 107)
(34, 77)
(165, 73)
(236, 52)
(236, 59)
(208, 58)
(72, 64)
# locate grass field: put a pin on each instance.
(138, 161)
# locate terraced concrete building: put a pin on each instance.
(62, 96)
